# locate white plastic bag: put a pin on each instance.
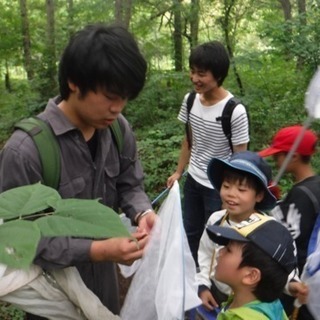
(164, 285)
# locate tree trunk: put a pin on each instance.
(287, 9)
(123, 9)
(177, 35)
(26, 39)
(228, 6)
(302, 11)
(194, 22)
(303, 22)
(287, 13)
(49, 85)
(70, 17)
(7, 79)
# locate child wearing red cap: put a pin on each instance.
(299, 209)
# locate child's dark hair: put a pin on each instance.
(101, 57)
(234, 175)
(273, 276)
(211, 56)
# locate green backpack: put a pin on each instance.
(49, 149)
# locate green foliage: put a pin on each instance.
(9, 312)
(55, 217)
(15, 105)
(159, 151)
(274, 94)
(153, 116)
(160, 99)
(296, 39)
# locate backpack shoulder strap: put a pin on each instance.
(311, 196)
(226, 119)
(190, 101)
(117, 134)
(48, 148)
(313, 240)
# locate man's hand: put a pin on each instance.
(146, 222)
(120, 250)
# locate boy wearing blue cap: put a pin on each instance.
(256, 260)
(243, 184)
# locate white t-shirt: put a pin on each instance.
(208, 138)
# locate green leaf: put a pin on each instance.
(18, 243)
(82, 218)
(26, 200)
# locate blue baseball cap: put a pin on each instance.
(249, 162)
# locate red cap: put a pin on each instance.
(284, 139)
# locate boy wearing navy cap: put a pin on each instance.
(258, 256)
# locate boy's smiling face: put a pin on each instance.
(239, 199)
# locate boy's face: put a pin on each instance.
(229, 259)
(203, 80)
(280, 157)
(239, 199)
(94, 110)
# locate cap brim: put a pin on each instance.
(215, 171)
(268, 152)
(222, 235)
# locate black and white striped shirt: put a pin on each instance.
(208, 139)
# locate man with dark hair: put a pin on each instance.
(299, 209)
(100, 70)
(209, 65)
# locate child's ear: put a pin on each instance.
(259, 196)
(295, 157)
(72, 86)
(252, 276)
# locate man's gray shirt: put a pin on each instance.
(117, 179)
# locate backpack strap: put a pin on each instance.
(316, 228)
(226, 119)
(190, 101)
(311, 196)
(48, 148)
(117, 134)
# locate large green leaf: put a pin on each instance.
(18, 243)
(82, 218)
(26, 200)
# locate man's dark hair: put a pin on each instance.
(273, 276)
(101, 57)
(211, 56)
(234, 175)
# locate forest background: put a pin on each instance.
(274, 46)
